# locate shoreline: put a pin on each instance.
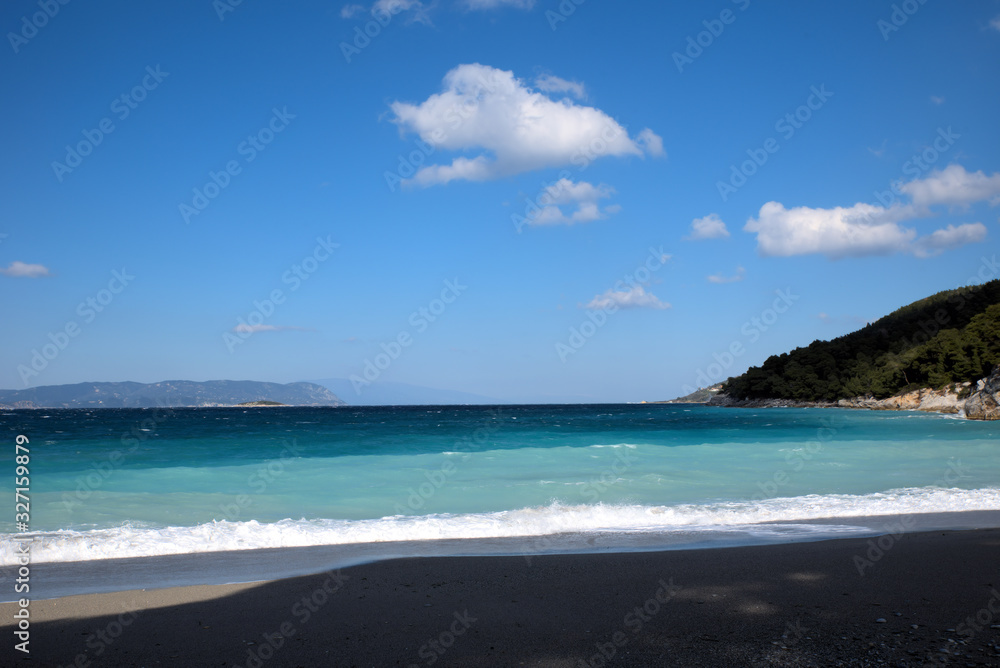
(800, 604)
(60, 579)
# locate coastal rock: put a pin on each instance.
(945, 400)
(984, 404)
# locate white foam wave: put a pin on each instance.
(142, 541)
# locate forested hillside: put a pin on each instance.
(950, 337)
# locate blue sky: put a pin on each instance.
(500, 197)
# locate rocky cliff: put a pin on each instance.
(984, 404)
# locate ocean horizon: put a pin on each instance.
(204, 495)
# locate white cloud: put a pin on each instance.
(565, 191)
(949, 237)
(493, 4)
(422, 12)
(865, 229)
(936, 99)
(633, 297)
(383, 8)
(878, 152)
(720, 279)
(862, 229)
(517, 129)
(995, 23)
(955, 187)
(395, 6)
(651, 142)
(22, 270)
(548, 83)
(582, 195)
(709, 227)
(243, 328)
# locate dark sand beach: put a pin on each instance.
(929, 599)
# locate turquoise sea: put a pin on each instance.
(364, 483)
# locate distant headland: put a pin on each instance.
(941, 353)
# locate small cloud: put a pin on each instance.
(937, 99)
(709, 227)
(549, 83)
(995, 23)
(350, 11)
(949, 237)
(395, 6)
(23, 270)
(633, 297)
(565, 192)
(955, 187)
(493, 4)
(651, 142)
(720, 279)
(243, 328)
(878, 152)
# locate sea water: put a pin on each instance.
(111, 484)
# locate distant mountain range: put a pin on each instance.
(172, 393)
(385, 393)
